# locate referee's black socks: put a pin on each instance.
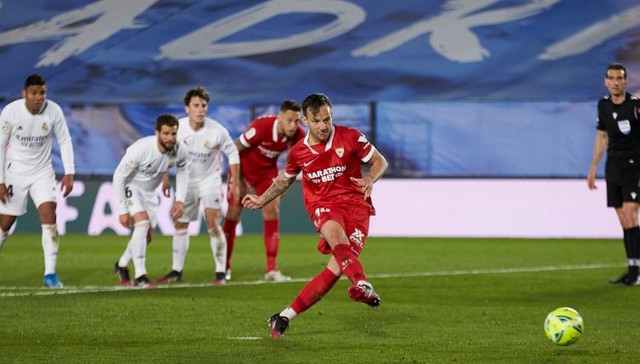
(632, 248)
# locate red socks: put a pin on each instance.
(229, 229)
(271, 242)
(349, 263)
(314, 290)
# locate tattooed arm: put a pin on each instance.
(277, 188)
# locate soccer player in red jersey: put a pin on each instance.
(260, 146)
(337, 198)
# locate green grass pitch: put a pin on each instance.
(443, 301)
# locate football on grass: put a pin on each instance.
(563, 326)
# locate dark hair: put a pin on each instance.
(290, 105)
(314, 101)
(196, 92)
(165, 119)
(34, 80)
(616, 66)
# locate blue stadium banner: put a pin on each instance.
(150, 51)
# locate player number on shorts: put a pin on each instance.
(127, 192)
(10, 191)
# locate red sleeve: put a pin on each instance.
(362, 145)
(291, 167)
(255, 132)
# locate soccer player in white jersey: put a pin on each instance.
(135, 181)
(26, 169)
(204, 138)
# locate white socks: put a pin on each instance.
(219, 250)
(288, 313)
(50, 244)
(180, 248)
(126, 257)
(3, 238)
(137, 249)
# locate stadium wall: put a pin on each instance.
(518, 208)
(420, 140)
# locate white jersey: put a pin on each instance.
(143, 166)
(204, 148)
(25, 139)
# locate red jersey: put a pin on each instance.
(264, 145)
(327, 169)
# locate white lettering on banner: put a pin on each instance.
(111, 16)
(101, 221)
(64, 212)
(201, 43)
(451, 34)
(594, 35)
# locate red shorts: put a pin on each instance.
(354, 222)
(258, 186)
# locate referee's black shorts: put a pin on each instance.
(622, 176)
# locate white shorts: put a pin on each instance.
(41, 187)
(139, 200)
(208, 191)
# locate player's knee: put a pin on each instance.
(271, 213)
(181, 225)
(48, 217)
(47, 212)
(214, 231)
(144, 224)
(6, 222)
(233, 213)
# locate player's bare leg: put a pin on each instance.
(6, 222)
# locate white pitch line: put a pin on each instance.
(499, 270)
(245, 338)
(25, 291)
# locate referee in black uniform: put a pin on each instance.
(618, 132)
